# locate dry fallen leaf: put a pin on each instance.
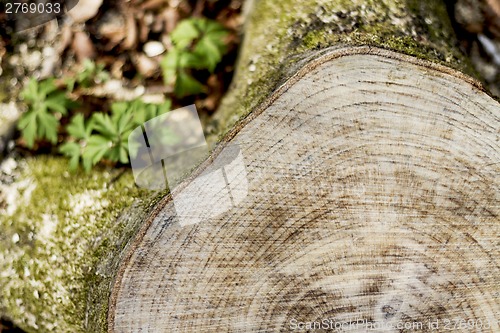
(114, 89)
(495, 5)
(131, 39)
(152, 4)
(85, 10)
(82, 45)
(493, 18)
(145, 20)
(153, 99)
(65, 39)
(146, 66)
(216, 91)
(113, 28)
(117, 67)
(171, 18)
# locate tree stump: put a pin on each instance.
(372, 201)
(371, 193)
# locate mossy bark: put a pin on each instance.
(61, 236)
(61, 244)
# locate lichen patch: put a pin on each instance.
(56, 227)
(87, 200)
(14, 193)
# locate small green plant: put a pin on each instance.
(80, 131)
(199, 44)
(106, 136)
(91, 73)
(46, 104)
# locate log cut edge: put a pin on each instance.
(311, 62)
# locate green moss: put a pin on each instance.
(421, 29)
(57, 245)
(279, 34)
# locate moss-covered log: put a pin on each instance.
(282, 36)
(370, 182)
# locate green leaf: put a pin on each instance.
(171, 59)
(46, 87)
(213, 28)
(124, 123)
(43, 100)
(87, 163)
(184, 33)
(91, 73)
(186, 85)
(57, 102)
(47, 126)
(110, 138)
(142, 115)
(101, 75)
(209, 54)
(123, 154)
(70, 84)
(97, 147)
(191, 60)
(73, 151)
(119, 108)
(27, 125)
(169, 67)
(30, 91)
(113, 154)
(78, 129)
(104, 125)
(118, 153)
(164, 107)
(199, 44)
(211, 46)
(122, 115)
(143, 112)
(40, 124)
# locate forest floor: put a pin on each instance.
(477, 25)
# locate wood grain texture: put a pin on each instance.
(373, 195)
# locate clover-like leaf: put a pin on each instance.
(97, 147)
(104, 125)
(199, 44)
(44, 102)
(78, 129)
(169, 65)
(73, 151)
(28, 126)
(185, 33)
(47, 126)
(211, 47)
(106, 136)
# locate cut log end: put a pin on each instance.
(364, 192)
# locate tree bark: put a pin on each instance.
(361, 164)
